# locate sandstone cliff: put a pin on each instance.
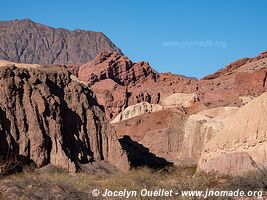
(25, 41)
(46, 117)
(242, 145)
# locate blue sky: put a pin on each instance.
(193, 38)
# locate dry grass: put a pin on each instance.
(57, 184)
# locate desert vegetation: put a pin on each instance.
(56, 183)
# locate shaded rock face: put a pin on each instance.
(140, 156)
(46, 117)
(24, 41)
(242, 145)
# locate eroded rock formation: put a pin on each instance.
(181, 142)
(199, 128)
(46, 117)
(119, 83)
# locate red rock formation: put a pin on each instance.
(119, 83)
(117, 91)
(46, 117)
(158, 133)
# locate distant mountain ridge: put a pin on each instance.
(24, 41)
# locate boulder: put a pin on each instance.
(137, 109)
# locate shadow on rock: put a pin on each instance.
(139, 156)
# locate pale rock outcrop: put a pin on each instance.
(179, 100)
(137, 109)
(199, 129)
(47, 117)
(242, 145)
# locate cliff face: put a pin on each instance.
(159, 133)
(24, 41)
(46, 117)
(199, 128)
(242, 144)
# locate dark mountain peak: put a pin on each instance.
(26, 41)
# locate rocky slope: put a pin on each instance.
(25, 41)
(159, 117)
(47, 117)
(119, 83)
(242, 145)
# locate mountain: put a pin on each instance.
(118, 83)
(48, 117)
(24, 41)
(189, 112)
(111, 105)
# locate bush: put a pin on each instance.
(9, 166)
